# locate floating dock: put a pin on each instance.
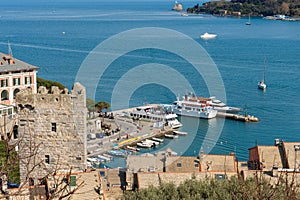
(243, 118)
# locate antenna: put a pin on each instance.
(9, 49)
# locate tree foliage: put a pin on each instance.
(232, 188)
(100, 106)
(253, 7)
(48, 84)
(9, 163)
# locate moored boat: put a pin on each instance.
(152, 142)
(180, 133)
(191, 106)
(106, 159)
(157, 115)
(171, 136)
(133, 148)
(157, 139)
(144, 145)
(202, 107)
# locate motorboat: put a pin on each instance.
(133, 148)
(102, 157)
(144, 145)
(94, 161)
(184, 14)
(219, 106)
(171, 136)
(180, 133)
(208, 36)
(152, 142)
(158, 139)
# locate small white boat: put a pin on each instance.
(184, 14)
(106, 159)
(133, 148)
(249, 21)
(180, 133)
(108, 156)
(171, 136)
(158, 139)
(94, 161)
(152, 142)
(144, 145)
(262, 85)
(206, 36)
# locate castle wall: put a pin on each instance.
(52, 126)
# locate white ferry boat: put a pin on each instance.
(193, 107)
(157, 115)
(210, 102)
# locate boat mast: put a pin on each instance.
(264, 70)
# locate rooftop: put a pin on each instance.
(10, 64)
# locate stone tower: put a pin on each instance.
(52, 127)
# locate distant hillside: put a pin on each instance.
(252, 7)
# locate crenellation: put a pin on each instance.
(57, 122)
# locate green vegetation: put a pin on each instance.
(48, 84)
(9, 163)
(101, 106)
(252, 7)
(93, 107)
(233, 188)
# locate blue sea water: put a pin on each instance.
(57, 37)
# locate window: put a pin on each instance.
(15, 131)
(53, 127)
(179, 165)
(28, 80)
(4, 95)
(47, 159)
(78, 158)
(17, 81)
(15, 92)
(4, 83)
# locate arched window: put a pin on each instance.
(16, 91)
(4, 95)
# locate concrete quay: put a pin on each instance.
(243, 118)
(131, 132)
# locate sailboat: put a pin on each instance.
(262, 85)
(248, 22)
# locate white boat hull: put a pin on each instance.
(199, 114)
(208, 36)
(262, 86)
(143, 145)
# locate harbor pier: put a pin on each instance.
(237, 117)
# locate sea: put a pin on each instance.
(60, 36)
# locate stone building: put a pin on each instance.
(52, 127)
(15, 75)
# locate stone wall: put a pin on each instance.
(52, 126)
